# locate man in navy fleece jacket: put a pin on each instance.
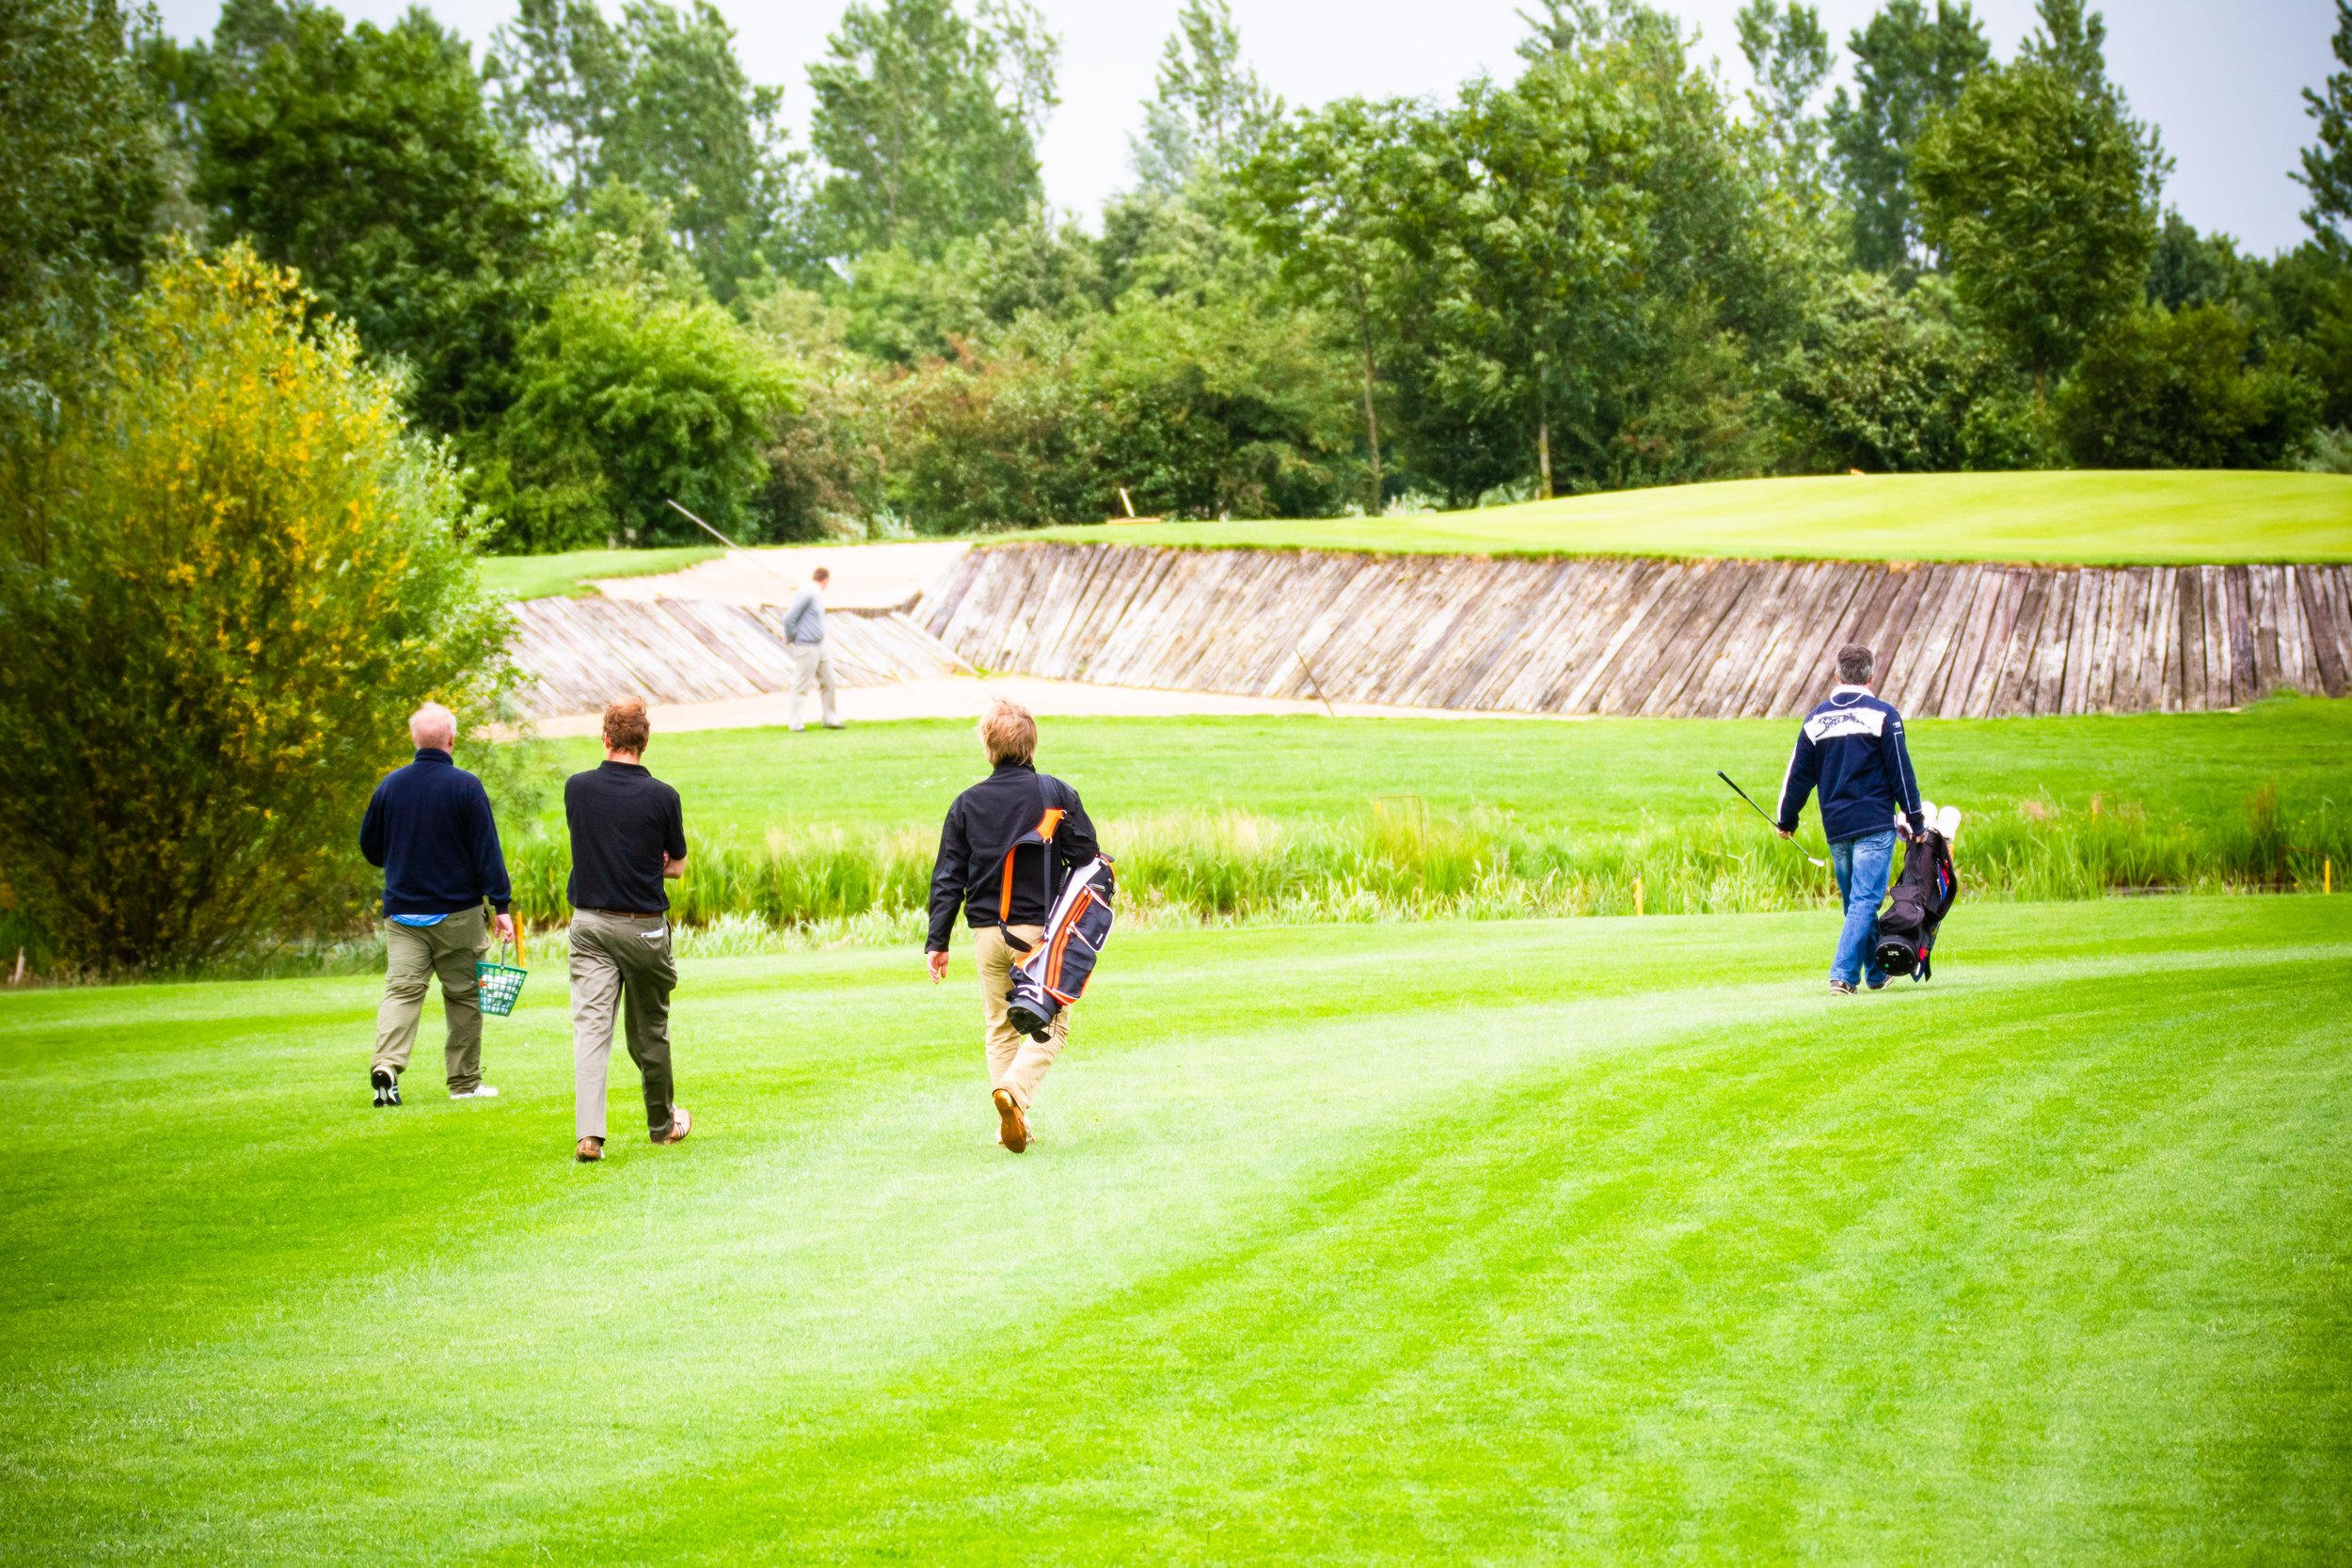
(1852, 749)
(429, 827)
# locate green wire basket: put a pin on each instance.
(500, 984)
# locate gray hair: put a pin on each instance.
(432, 726)
(1856, 665)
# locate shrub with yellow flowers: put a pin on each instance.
(223, 587)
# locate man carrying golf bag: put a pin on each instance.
(1006, 851)
(1851, 750)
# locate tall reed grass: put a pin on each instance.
(1233, 867)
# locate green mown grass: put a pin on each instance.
(1595, 1241)
(2087, 518)
(1595, 775)
(1365, 819)
(567, 575)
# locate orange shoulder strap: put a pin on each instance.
(1045, 828)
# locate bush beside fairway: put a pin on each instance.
(2085, 518)
(570, 574)
(1586, 1241)
(1355, 819)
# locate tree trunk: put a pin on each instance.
(1543, 455)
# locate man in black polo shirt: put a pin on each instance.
(628, 835)
(429, 827)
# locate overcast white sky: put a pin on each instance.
(2222, 78)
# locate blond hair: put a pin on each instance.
(626, 726)
(1008, 732)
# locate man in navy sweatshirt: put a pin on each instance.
(429, 827)
(1852, 749)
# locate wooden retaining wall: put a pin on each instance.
(580, 653)
(1718, 639)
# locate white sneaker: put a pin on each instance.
(480, 1091)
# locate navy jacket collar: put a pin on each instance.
(433, 754)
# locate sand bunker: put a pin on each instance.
(864, 576)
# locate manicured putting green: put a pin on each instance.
(570, 574)
(1602, 1241)
(2089, 517)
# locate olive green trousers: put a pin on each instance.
(416, 954)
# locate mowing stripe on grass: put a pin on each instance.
(1491, 1242)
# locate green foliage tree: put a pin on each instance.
(78, 186)
(2306, 298)
(1907, 68)
(558, 72)
(1892, 381)
(659, 102)
(2189, 268)
(630, 398)
(928, 122)
(366, 158)
(1787, 53)
(2327, 170)
(2041, 189)
(1234, 407)
(1320, 201)
(221, 593)
(901, 308)
(1208, 111)
(2182, 389)
(1571, 238)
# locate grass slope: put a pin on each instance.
(1596, 1240)
(1600, 775)
(568, 574)
(2087, 518)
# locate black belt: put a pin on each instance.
(631, 914)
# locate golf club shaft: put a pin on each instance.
(1745, 795)
(1765, 815)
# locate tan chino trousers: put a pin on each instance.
(627, 967)
(1015, 1061)
(813, 671)
(415, 955)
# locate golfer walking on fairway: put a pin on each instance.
(1007, 842)
(812, 655)
(1851, 747)
(629, 836)
(430, 830)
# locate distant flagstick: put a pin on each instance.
(1762, 812)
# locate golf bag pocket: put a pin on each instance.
(1916, 907)
(1056, 971)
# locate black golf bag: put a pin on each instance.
(1055, 972)
(1916, 905)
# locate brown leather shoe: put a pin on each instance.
(1012, 1127)
(589, 1151)
(680, 1124)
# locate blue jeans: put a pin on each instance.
(1863, 865)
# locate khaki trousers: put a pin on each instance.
(415, 954)
(812, 669)
(623, 966)
(1015, 1061)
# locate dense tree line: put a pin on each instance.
(604, 275)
